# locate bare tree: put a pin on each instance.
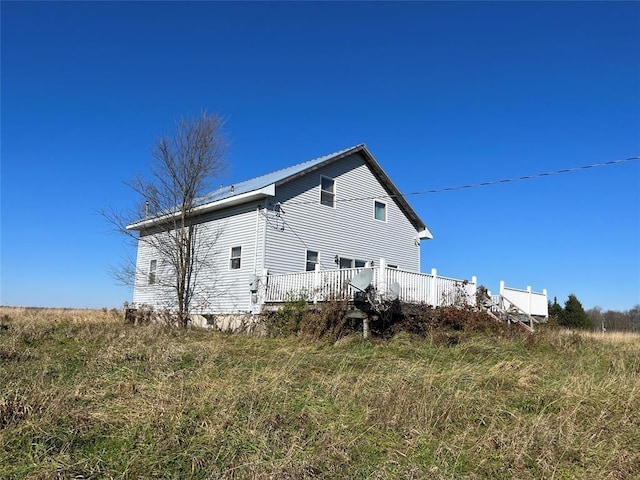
(185, 163)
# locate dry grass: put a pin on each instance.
(84, 395)
(612, 337)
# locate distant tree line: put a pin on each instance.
(573, 315)
(615, 320)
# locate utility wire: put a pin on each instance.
(526, 177)
(284, 224)
(484, 184)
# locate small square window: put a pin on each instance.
(327, 191)
(380, 211)
(312, 260)
(153, 266)
(236, 254)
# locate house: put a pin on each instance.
(338, 211)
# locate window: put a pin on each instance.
(153, 265)
(350, 263)
(380, 211)
(327, 191)
(236, 253)
(312, 260)
(346, 262)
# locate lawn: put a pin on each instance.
(85, 395)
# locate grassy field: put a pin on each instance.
(84, 395)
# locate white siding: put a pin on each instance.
(220, 288)
(159, 294)
(348, 230)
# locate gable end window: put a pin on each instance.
(327, 191)
(236, 254)
(380, 211)
(312, 260)
(153, 266)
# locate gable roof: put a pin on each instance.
(265, 185)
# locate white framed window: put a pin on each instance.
(345, 262)
(153, 267)
(380, 211)
(312, 260)
(327, 191)
(236, 255)
(360, 263)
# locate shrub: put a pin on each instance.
(423, 320)
(329, 322)
(324, 321)
(286, 320)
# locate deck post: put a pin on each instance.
(316, 283)
(365, 327)
(382, 277)
(474, 289)
(529, 310)
(433, 301)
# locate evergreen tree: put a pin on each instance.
(555, 309)
(573, 315)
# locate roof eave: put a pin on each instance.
(425, 234)
(268, 191)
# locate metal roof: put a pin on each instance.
(278, 177)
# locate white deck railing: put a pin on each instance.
(527, 301)
(322, 285)
(427, 288)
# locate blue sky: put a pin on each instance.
(443, 94)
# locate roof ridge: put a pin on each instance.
(292, 167)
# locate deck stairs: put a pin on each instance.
(504, 311)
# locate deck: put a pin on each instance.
(413, 287)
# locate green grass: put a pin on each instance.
(84, 395)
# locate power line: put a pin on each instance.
(485, 184)
(526, 177)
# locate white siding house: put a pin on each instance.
(339, 211)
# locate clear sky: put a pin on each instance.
(443, 94)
